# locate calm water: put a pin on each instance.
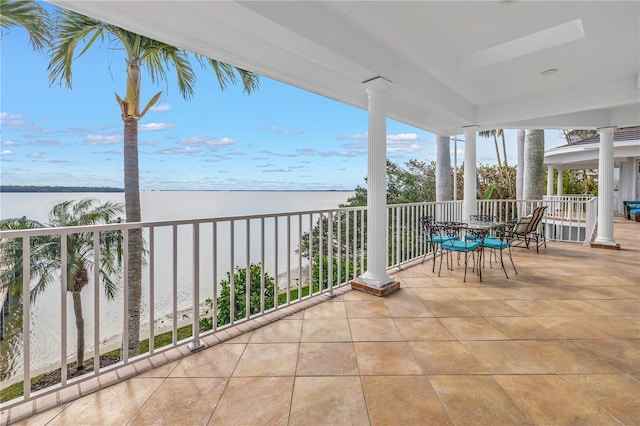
(156, 206)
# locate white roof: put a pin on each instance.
(452, 63)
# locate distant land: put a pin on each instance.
(20, 188)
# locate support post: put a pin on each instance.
(376, 274)
(605, 190)
(470, 202)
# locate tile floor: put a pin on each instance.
(557, 344)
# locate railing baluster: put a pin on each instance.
(300, 255)
(232, 283)
(330, 253)
(124, 355)
(63, 309)
(174, 314)
(26, 315)
(262, 267)
(96, 303)
(152, 284)
(214, 267)
(247, 281)
(195, 343)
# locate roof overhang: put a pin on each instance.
(452, 63)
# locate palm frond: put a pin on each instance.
(30, 16)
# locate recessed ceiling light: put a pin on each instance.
(549, 71)
(506, 1)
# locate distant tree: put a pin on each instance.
(32, 17)
(159, 58)
(256, 293)
(46, 255)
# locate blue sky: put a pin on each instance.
(277, 138)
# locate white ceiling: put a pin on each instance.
(452, 63)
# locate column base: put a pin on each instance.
(610, 246)
(360, 285)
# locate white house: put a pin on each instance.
(584, 154)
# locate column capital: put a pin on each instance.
(608, 129)
(377, 85)
(472, 128)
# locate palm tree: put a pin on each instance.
(533, 185)
(443, 168)
(29, 15)
(158, 58)
(46, 261)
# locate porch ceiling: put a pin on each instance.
(452, 63)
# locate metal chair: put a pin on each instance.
(499, 241)
(526, 230)
(433, 238)
(453, 231)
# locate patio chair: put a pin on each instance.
(454, 243)
(499, 242)
(525, 230)
(433, 238)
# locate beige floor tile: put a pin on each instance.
(533, 307)
(407, 309)
(279, 331)
(401, 294)
(491, 308)
(216, 361)
(439, 294)
(374, 330)
(326, 310)
(477, 400)
(192, 402)
(469, 294)
(506, 357)
(546, 398)
(358, 296)
(476, 328)
(402, 400)
(40, 419)
(373, 309)
(254, 401)
(162, 371)
(99, 407)
(629, 308)
(385, 358)
(564, 357)
(577, 307)
(328, 401)
(423, 329)
(623, 354)
(445, 358)
(449, 308)
(422, 282)
(326, 330)
(571, 328)
(326, 359)
(617, 394)
(521, 328)
(619, 327)
(268, 359)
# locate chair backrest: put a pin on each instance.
(536, 217)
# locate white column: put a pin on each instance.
(376, 273)
(549, 180)
(559, 186)
(469, 202)
(605, 188)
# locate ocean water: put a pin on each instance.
(156, 206)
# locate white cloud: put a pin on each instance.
(9, 119)
(97, 139)
(355, 137)
(341, 154)
(305, 151)
(155, 126)
(402, 137)
(207, 141)
(403, 148)
(286, 170)
(36, 155)
(179, 150)
(10, 116)
(276, 129)
(160, 108)
(10, 143)
(48, 142)
(6, 152)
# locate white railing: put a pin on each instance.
(186, 263)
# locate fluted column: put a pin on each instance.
(376, 274)
(605, 188)
(549, 180)
(470, 203)
(559, 186)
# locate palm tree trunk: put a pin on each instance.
(443, 168)
(495, 142)
(504, 149)
(77, 310)
(132, 203)
(533, 185)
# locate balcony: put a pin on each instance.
(555, 344)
